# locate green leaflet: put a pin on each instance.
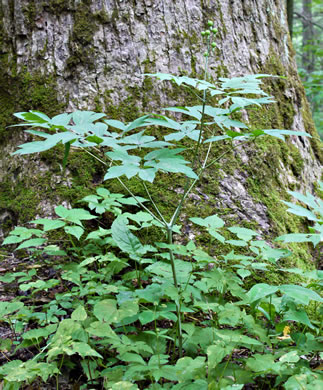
(125, 240)
(49, 224)
(31, 243)
(243, 233)
(75, 231)
(73, 215)
(260, 291)
(300, 294)
(264, 363)
(79, 314)
(106, 311)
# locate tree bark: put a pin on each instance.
(290, 15)
(62, 55)
(308, 59)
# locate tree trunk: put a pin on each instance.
(290, 16)
(61, 55)
(308, 59)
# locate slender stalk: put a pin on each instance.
(196, 153)
(90, 372)
(187, 186)
(128, 190)
(226, 152)
(188, 190)
(178, 301)
(153, 203)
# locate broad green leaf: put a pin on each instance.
(147, 316)
(144, 141)
(39, 333)
(61, 120)
(33, 116)
(106, 310)
(313, 274)
(230, 336)
(73, 215)
(281, 133)
(101, 329)
(49, 224)
(164, 270)
(299, 316)
(9, 308)
(290, 357)
(229, 315)
(300, 211)
(79, 314)
(300, 237)
(243, 273)
(151, 293)
(211, 222)
(216, 353)
(85, 118)
(195, 112)
(260, 291)
(148, 174)
(308, 199)
(216, 138)
(123, 237)
(132, 358)
(243, 233)
(300, 294)
(36, 146)
(237, 242)
(84, 350)
(124, 157)
(114, 123)
(5, 345)
(263, 363)
(127, 309)
(27, 371)
(305, 380)
(132, 201)
(174, 165)
(130, 170)
(12, 240)
(139, 122)
(124, 385)
(75, 231)
(188, 369)
(32, 242)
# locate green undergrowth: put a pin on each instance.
(110, 312)
(145, 283)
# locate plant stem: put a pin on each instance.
(178, 301)
(204, 100)
(153, 203)
(128, 190)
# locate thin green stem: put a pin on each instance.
(199, 142)
(157, 337)
(90, 372)
(224, 153)
(225, 367)
(188, 189)
(178, 301)
(154, 204)
(128, 190)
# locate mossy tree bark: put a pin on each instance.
(60, 55)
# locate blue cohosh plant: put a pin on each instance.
(159, 315)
